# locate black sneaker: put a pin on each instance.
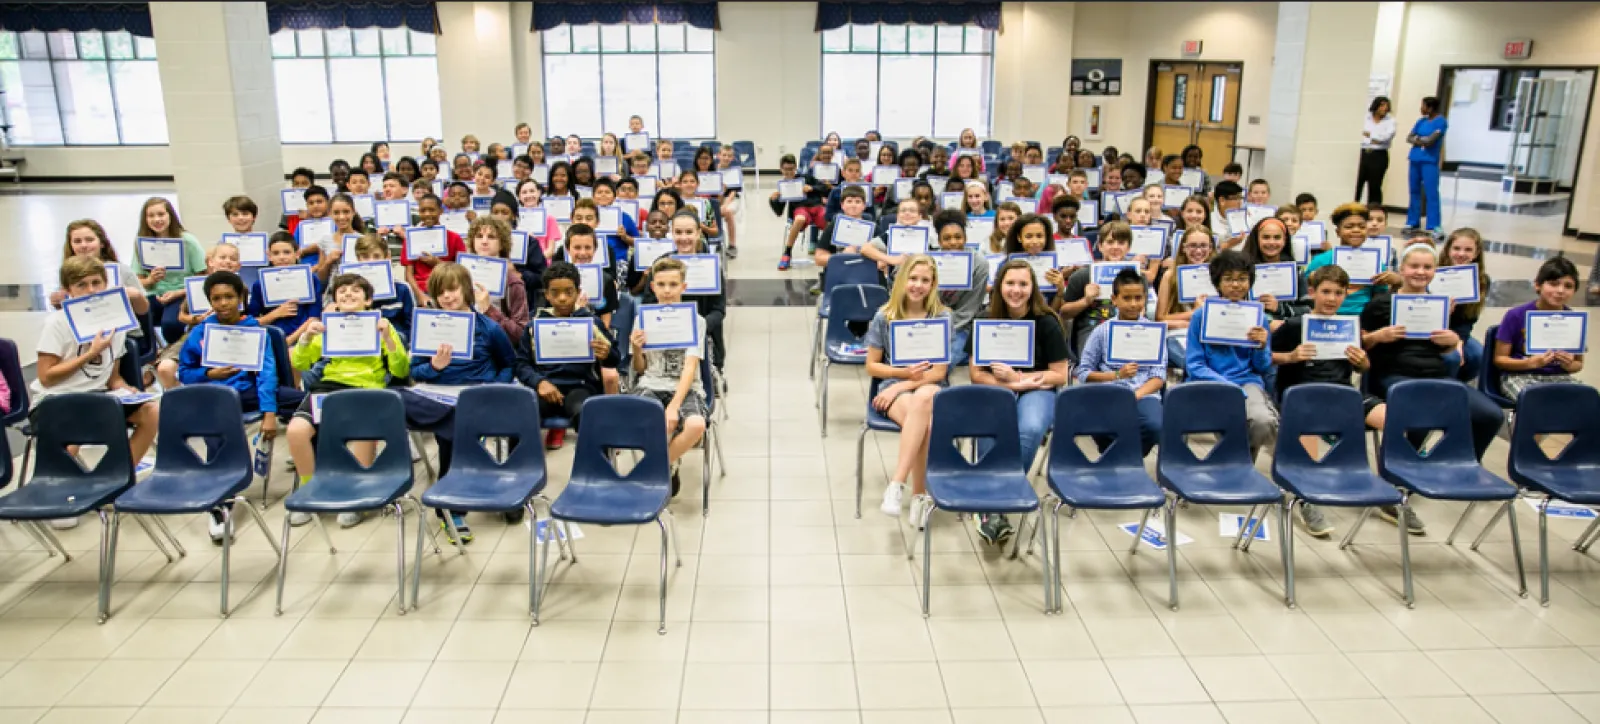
(733, 252)
(1391, 514)
(676, 483)
(514, 517)
(994, 528)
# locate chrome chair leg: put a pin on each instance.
(108, 561)
(416, 575)
(27, 526)
(662, 628)
(1451, 539)
(261, 521)
(1172, 554)
(705, 473)
(161, 524)
(148, 531)
(1589, 533)
(1022, 527)
(1247, 529)
(1356, 528)
(532, 514)
(283, 564)
(1516, 548)
(227, 550)
(400, 550)
(1485, 532)
(422, 451)
(316, 520)
(1138, 535)
(43, 529)
(1405, 551)
(861, 448)
(672, 530)
(1544, 553)
(455, 534)
(722, 458)
(1286, 548)
(927, 563)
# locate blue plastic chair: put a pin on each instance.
(708, 380)
(852, 303)
(598, 494)
(715, 146)
(873, 421)
(21, 405)
(997, 482)
(991, 147)
(745, 152)
(342, 484)
(1340, 479)
(806, 154)
(128, 365)
(280, 357)
(480, 483)
(62, 488)
(183, 482)
(1573, 475)
(1448, 471)
(1225, 477)
(842, 269)
(1115, 481)
(1489, 376)
(621, 329)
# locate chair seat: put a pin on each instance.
(982, 492)
(1450, 481)
(1109, 489)
(838, 355)
(1573, 485)
(608, 502)
(482, 490)
(341, 492)
(1222, 485)
(186, 491)
(877, 421)
(44, 499)
(1338, 488)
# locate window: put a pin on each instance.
(1505, 98)
(356, 85)
(597, 76)
(88, 88)
(907, 80)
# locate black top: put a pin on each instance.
(1099, 310)
(1286, 339)
(1049, 341)
(1407, 357)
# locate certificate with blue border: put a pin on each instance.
(1280, 279)
(1360, 262)
(1229, 323)
(703, 275)
(281, 284)
(157, 253)
(380, 274)
(954, 267)
(194, 290)
(914, 341)
(1142, 343)
(1104, 274)
(357, 334)
(1194, 280)
(677, 326)
(432, 328)
(421, 240)
(107, 311)
(1553, 331)
(1003, 341)
(567, 331)
(1460, 283)
(490, 271)
(252, 247)
(1420, 314)
(229, 346)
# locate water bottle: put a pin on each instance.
(263, 460)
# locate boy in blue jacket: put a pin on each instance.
(258, 391)
(563, 386)
(1243, 367)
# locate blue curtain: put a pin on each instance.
(547, 15)
(132, 17)
(305, 14)
(833, 14)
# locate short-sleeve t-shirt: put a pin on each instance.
(95, 375)
(1514, 331)
(1287, 339)
(663, 367)
(1049, 342)
(878, 332)
(1408, 357)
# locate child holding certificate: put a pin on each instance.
(905, 394)
(562, 383)
(1323, 347)
(619, 243)
(505, 208)
(258, 390)
(222, 257)
(1146, 379)
(346, 369)
(1400, 352)
(1195, 247)
(1237, 356)
(429, 210)
(964, 302)
(581, 246)
(671, 375)
(1005, 215)
(491, 237)
(802, 212)
(1035, 371)
(1080, 300)
(713, 308)
(164, 282)
(85, 237)
(1561, 338)
(852, 204)
(908, 213)
(290, 316)
(529, 196)
(68, 365)
(371, 248)
(1268, 243)
(1350, 223)
(316, 202)
(1461, 248)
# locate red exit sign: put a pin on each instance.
(1191, 48)
(1518, 49)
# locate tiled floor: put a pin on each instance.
(787, 608)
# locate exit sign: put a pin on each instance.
(1518, 49)
(1191, 48)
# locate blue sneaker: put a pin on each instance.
(461, 527)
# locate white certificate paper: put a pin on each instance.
(434, 328)
(1563, 331)
(1104, 273)
(1420, 314)
(393, 213)
(902, 188)
(912, 341)
(591, 282)
(951, 200)
(1148, 241)
(532, 221)
(670, 326)
(1004, 341)
(636, 142)
(851, 232)
(1027, 205)
(252, 247)
(1361, 263)
(318, 233)
(1194, 281)
(294, 201)
(908, 239)
(1255, 213)
(106, 311)
(1229, 323)
(242, 347)
(1089, 214)
(455, 221)
(732, 177)
(1459, 283)
(1073, 251)
(702, 274)
(380, 274)
(955, 269)
(194, 290)
(979, 229)
(562, 340)
(489, 271)
(1041, 263)
(790, 190)
(1330, 335)
(1238, 222)
(160, 253)
(350, 334)
(1142, 343)
(825, 172)
(885, 175)
(1279, 279)
(647, 251)
(609, 220)
(1172, 197)
(365, 205)
(426, 240)
(710, 184)
(559, 207)
(281, 284)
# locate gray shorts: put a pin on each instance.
(693, 404)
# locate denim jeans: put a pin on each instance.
(1036, 412)
(1149, 422)
(958, 347)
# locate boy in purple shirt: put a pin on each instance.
(1555, 284)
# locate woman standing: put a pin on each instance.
(1376, 133)
(1425, 138)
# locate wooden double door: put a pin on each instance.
(1194, 103)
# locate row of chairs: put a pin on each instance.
(1226, 475)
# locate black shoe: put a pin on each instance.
(676, 483)
(514, 517)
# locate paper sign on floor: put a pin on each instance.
(1154, 536)
(1228, 526)
(1559, 509)
(571, 529)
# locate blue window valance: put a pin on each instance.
(547, 15)
(131, 17)
(833, 14)
(306, 14)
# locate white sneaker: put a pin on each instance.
(921, 509)
(891, 499)
(64, 523)
(217, 529)
(349, 520)
(297, 519)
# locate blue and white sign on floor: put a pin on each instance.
(572, 529)
(1559, 509)
(1228, 526)
(1154, 536)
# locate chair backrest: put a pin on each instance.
(1556, 409)
(745, 151)
(806, 154)
(621, 422)
(678, 146)
(715, 146)
(210, 412)
(128, 366)
(853, 303)
(992, 147)
(511, 411)
(1321, 410)
(849, 269)
(708, 381)
(1418, 406)
(1488, 373)
(11, 369)
(354, 415)
(280, 356)
(975, 411)
(82, 418)
(622, 327)
(1197, 408)
(1115, 416)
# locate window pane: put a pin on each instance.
(91, 45)
(394, 41)
(963, 95)
(586, 39)
(302, 89)
(140, 110)
(558, 39)
(892, 38)
(572, 95)
(83, 88)
(8, 46)
(1219, 93)
(630, 87)
(687, 107)
(366, 41)
(31, 102)
(357, 85)
(905, 99)
(63, 45)
(144, 48)
(339, 45)
(282, 44)
(614, 38)
(310, 43)
(977, 40)
(949, 37)
(849, 94)
(671, 37)
(643, 38)
(921, 40)
(863, 38)
(423, 44)
(836, 40)
(413, 94)
(699, 39)
(34, 46)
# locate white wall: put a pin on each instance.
(769, 76)
(1471, 114)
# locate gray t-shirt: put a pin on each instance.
(663, 367)
(878, 332)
